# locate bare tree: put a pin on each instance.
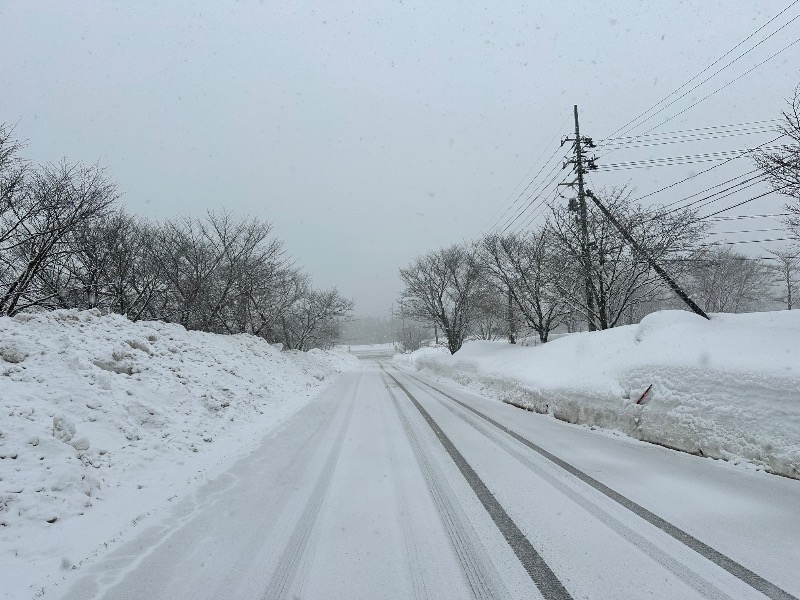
(64, 245)
(786, 271)
(247, 252)
(112, 267)
(136, 284)
(13, 172)
(272, 289)
(527, 266)
(782, 167)
(413, 335)
(219, 272)
(441, 287)
(724, 280)
(621, 280)
(410, 332)
(315, 321)
(187, 263)
(54, 202)
(490, 318)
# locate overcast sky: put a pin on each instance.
(368, 132)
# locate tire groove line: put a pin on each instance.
(295, 467)
(538, 570)
(696, 581)
(483, 580)
(288, 565)
(409, 535)
(736, 569)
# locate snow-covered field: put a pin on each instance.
(726, 388)
(103, 421)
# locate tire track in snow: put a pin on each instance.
(736, 569)
(694, 580)
(288, 566)
(482, 577)
(539, 571)
(276, 498)
(410, 540)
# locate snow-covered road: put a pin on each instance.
(392, 485)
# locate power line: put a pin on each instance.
(660, 102)
(497, 224)
(716, 196)
(694, 129)
(664, 164)
(783, 239)
(770, 230)
(525, 209)
(765, 216)
(687, 139)
(530, 199)
(726, 182)
(534, 212)
(535, 162)
(767, 193)
(537, 211)
(714, 260)
(669, 161)
(685, 179)
(707, 96)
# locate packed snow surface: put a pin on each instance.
(103, 419)
(725, 388)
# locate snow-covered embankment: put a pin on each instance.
(726, 388)
(101, 418)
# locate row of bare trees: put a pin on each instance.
(535, 281)
(539, 280)
(66, 243)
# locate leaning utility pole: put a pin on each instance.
(580, 165)
(650, 260)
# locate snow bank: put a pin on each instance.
(726, 388)
(99, 411)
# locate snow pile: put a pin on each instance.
(97, 410)
(726, 388)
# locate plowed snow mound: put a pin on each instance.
(726, 388)
(97, 406)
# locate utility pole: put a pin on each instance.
(580, 166)
(512, 326)
(650, 260)
(392, 332)
(403, 334)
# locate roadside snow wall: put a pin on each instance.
(94, 408)
(726, 388)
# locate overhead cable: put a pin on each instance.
(745, 40)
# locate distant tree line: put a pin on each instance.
(536, 281)
(396, 327)
(65, 242)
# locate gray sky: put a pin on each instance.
(368, 132)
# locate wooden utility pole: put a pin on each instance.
(580, 165)
(392, 332)
(512, 325)
(650, 260)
